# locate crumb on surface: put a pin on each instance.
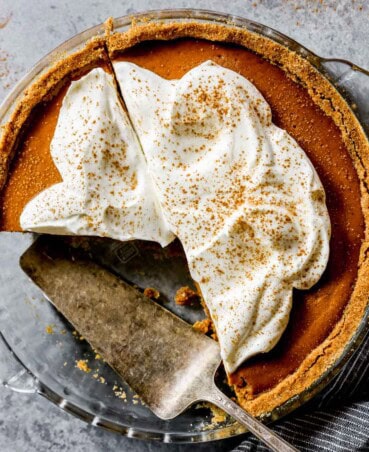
(78, 336)
(151, 293)
(203, 326)
(49, 329)
(120, 393)
(99, 378)
(82, 364)
(206, 326)
(218, 416)
(186, 296)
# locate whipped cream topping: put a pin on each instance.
(239, 193)
(203, 162)
(106, 189)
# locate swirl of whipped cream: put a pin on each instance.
(106, 189)
(239, 193)
(203, 162)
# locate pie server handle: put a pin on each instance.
(265, 434)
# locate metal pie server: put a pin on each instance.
(165, 361)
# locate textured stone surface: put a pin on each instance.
(28, 30)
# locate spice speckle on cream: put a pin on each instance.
(204, 163)
(106, 188)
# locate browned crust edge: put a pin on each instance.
(45, 87)
(330, 101)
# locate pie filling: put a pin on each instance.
(137, 183)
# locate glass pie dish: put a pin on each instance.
(39, 349)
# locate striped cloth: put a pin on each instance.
(336, 420)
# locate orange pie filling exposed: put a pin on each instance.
(33, 169)
(316, 311)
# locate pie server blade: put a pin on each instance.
(164, 360)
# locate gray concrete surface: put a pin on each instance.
(31, 28)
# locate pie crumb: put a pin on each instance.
(120, 393)
(151, 293)
(218, 414)
(78, 336)
(49, 329)
(206, 326)
(186, 296)
(203, 326)
(82, 364)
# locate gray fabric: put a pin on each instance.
(336, 420)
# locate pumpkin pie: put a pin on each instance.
(324, 318)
